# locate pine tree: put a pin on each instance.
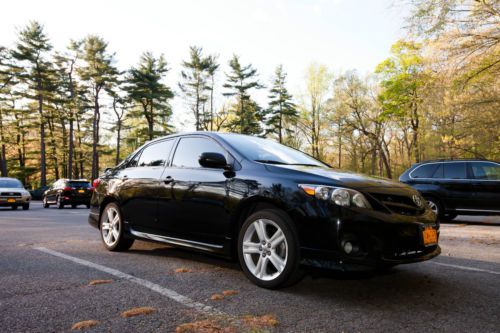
(98, 72)
(145, 87)
(247, 113)
(194, 85)
(31, 51)
(281, 108)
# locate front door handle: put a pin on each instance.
(168, 180)
(125, 177)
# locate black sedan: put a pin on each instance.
(71, 192)
(271, 206)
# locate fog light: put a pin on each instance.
(347, 247)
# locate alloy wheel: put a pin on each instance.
(433, 206)
(265, 249)
(110, 226)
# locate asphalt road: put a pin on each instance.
(49, 257)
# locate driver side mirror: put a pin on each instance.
(212, 160)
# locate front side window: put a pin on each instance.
(455, 171)
(425, 171)
(189, 150)
(155, 154)
(485, 171)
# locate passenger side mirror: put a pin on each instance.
(212, 160)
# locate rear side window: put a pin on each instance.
(189, 150)
(155, 154)
(455, 171)
(485, 171)
(425, 171)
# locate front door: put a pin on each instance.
(195, 207)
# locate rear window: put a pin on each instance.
(79, 184)
(455, 171)
(425, 171)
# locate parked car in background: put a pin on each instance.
(269, 205)
(457, 187)
(13, 194)
(72, 192)
(37, 194)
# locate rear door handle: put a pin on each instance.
(168, 180)
(125, 177)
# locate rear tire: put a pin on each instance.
(13, 207)
(111, 229)
(45, 204)
(26, 206)
(435, 206)
(73, 206)
(88, 206)
(268, 249)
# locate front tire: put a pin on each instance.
(111, 227)
(268, 249)
(59, 203)
(13, 207)
(26, 206)
(45, 204)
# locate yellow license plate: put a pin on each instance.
(11, 200)
(81, 191)
(430, 236)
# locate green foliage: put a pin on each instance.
(281, 110)
(246, 114)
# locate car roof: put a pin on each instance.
(455, 160)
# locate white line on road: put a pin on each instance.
(465, 268)
(186, 301)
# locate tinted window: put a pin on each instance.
(189, 150)
(14, 183)
(134, 161)
(79, 184)
(439, 173)
(485, 170)
(425, 171)
(155, 154)
(455, 171)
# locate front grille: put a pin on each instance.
(399, 204)
(10, 194)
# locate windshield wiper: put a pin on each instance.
(304, 164)
(271, 162)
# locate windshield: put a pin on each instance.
(10, 183)
(267, 151)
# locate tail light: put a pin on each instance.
(67, 188)
(96, 183)
(91, 188)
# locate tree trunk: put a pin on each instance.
(95, 131)
(3, 157)
(43, 170)
(71, 118)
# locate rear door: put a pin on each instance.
(486, 183)
(140, 184)
(458, 189)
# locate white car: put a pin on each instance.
(13, 194)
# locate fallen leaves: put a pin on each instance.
(84, 324)
(183, 270)
(96, 282)
(205, 326)
(145, 310)
(217, 297)
(261, 321)
(230, 292)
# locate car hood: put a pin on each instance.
(351, 179)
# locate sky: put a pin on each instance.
(342, 34)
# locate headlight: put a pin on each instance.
(340, 196)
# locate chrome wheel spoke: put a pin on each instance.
(110, 215)
(277, 262)
(250, 247)
(260, 229)
(115, 233)
(105, 226)
(277, 238)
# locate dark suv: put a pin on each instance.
(68, 192)
(272, 206)
(453, 187)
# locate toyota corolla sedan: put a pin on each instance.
(272, 207)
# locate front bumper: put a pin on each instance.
(377, 238)
(18, 201)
